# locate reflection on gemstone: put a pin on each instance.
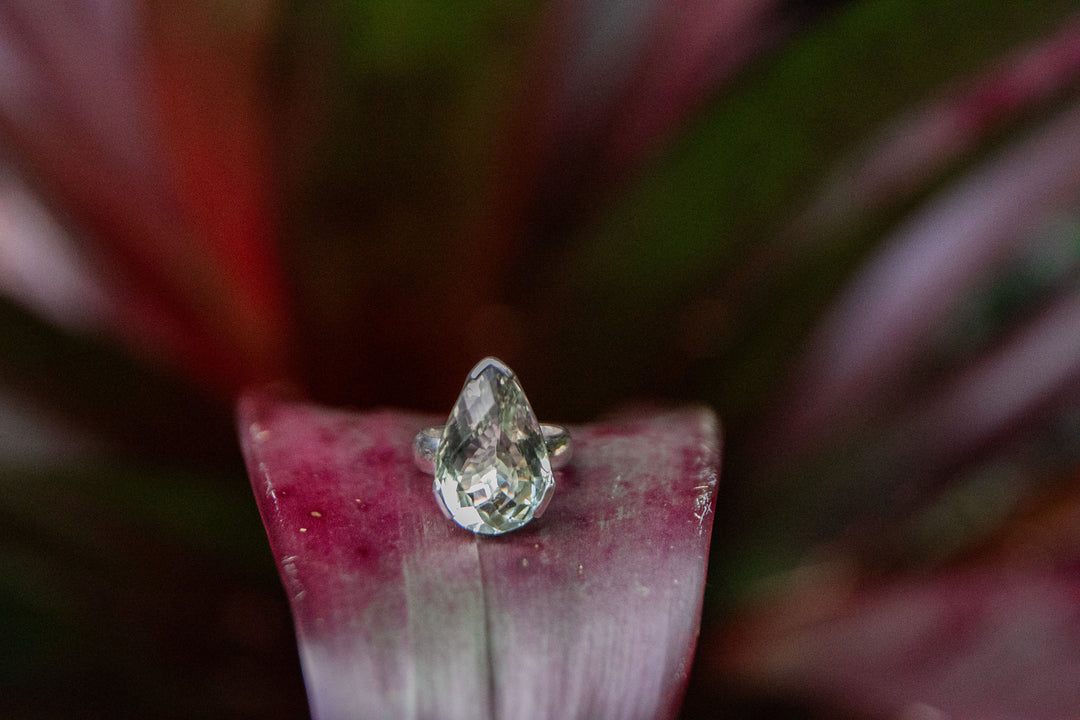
(492, 470)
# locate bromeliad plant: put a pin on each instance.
(850, 229)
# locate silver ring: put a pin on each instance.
(492, 461)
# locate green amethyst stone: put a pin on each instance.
(492, 469)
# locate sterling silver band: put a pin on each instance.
(556, 439)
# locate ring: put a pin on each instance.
(492, 461)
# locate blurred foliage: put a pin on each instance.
(135, 587)
(732, 185)
(121, 401)
(130, 592)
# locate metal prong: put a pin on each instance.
(545, 502)
(441, 502)
(425, 446)
(559, 446)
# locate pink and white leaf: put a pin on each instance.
(590, 611)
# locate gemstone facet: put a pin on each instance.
(492, 470)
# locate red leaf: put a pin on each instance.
(591, 611)
(145, 129)
(989, 643)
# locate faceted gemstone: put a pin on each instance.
(492, 470)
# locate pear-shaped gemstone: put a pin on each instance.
(492, 470)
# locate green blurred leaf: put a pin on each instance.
(128, 591)
(692, 255)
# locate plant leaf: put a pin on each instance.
(136, 590)
(610, 84)
(990, 634)
(145, 131)
(910, 150)
(992, 642)
(591, 611)
(880, 323)
(697, 237)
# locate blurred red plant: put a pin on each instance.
(704, 202)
